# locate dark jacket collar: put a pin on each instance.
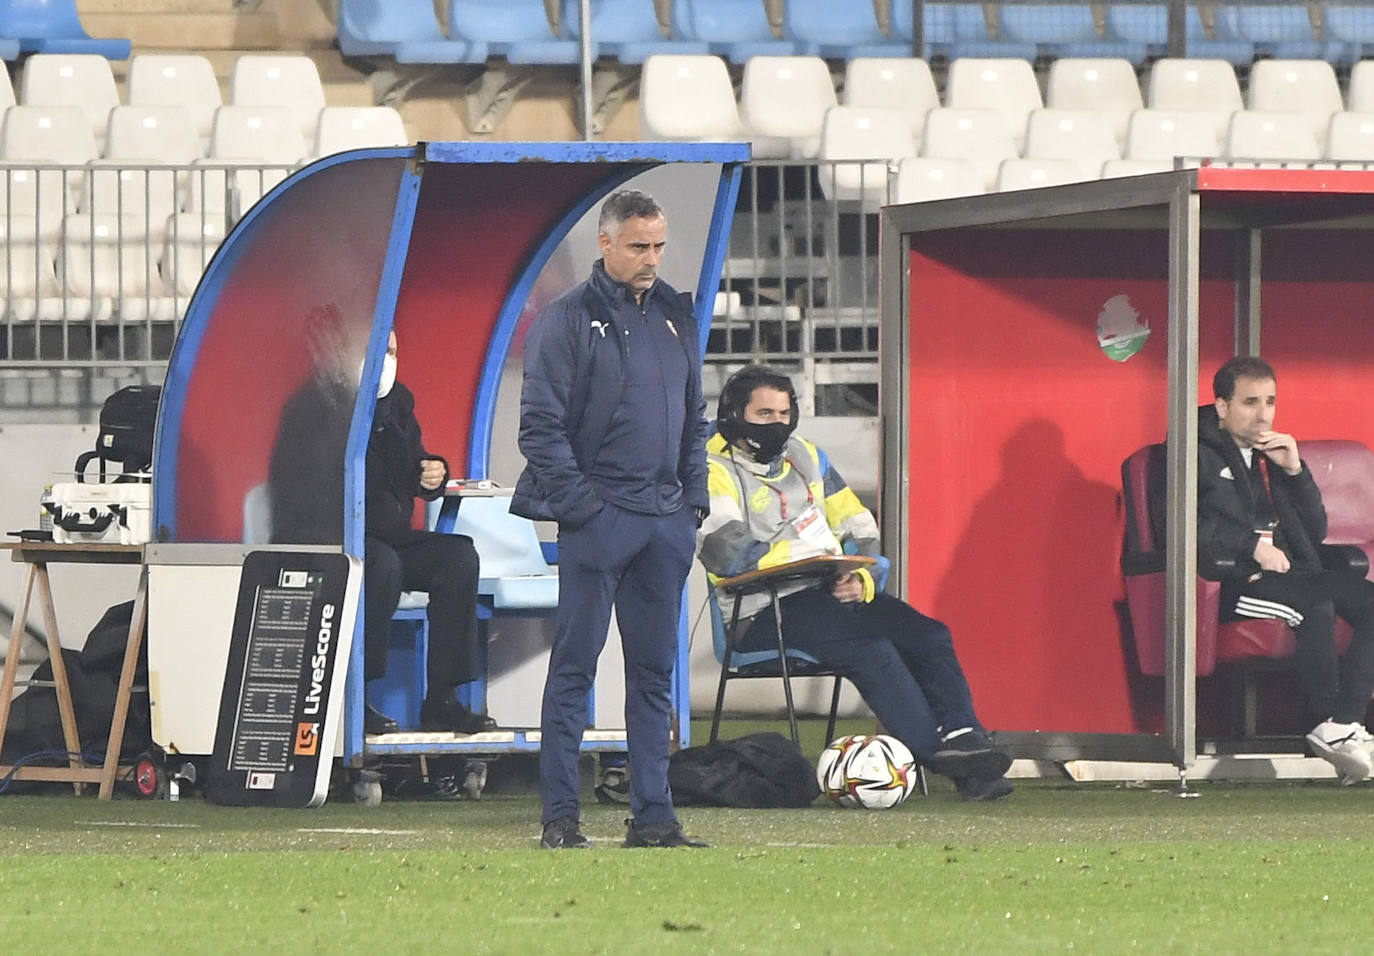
(1211, 434)
(617, 293)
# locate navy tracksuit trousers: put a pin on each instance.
(638, 563)
(901, 661)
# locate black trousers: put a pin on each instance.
(902, 662)
(1336, 686)
(444, 565)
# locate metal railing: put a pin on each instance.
(98, 261)
(800, 282)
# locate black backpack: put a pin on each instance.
(127, 422)
(756, 770)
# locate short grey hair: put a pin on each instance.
(626, 204)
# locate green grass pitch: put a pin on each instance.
(1057, 867)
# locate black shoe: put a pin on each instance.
(667, 833)
(376, 723)
(983, 789)
(563, 834)
(970, 754)
(446, 715)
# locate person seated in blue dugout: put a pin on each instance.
(776, 498)
(307, 508)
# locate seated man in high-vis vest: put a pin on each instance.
(776, 498)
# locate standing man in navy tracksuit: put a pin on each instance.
(613, 430)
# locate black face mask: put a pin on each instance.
(764, 441)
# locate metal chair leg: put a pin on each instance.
(786, 673)
(725, 668)
(834, 710)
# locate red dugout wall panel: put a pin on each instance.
(1018, 424)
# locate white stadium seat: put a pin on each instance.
(28, 281)
(1206, 86)
(1033, 173)
(1108, 87)
(83, 80)
(897, 83)
(357, 127)
(108, 267)
(1114, 168)
(192, 238)
(1160, 135)
(177, 79)
(1351, 137)
(280, 80)
(980, 136)
(267, 134)
(116, 187)
(1296, 86)
(688, 98)
(920, 178)
(785, 98)
(1007, 85)
(47, 136)
(246, 136)
(1271, 136)
(152, 134)
(1079, 136)
(855, 132)
(1360, 93)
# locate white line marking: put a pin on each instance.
(130, 823)
(361, 830)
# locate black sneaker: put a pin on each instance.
(563, 834)
(970, 753)
(983, 789)
(667, 833)
(376, 723)
(446, 715)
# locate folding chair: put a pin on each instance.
(785, 662)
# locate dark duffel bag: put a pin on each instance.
(127, 422)
(756, 770)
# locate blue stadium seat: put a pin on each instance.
(839, 30)
(1148, 23)
(54, 26)
(736, 29)
(404, 29)
(953, 30)
(1351, 24)
(1063, 29)
(626, 30)
(1281, 30)
(516, 29)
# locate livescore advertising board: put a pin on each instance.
(283, 697)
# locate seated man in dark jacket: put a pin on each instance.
(1260, 520)
(307, 508)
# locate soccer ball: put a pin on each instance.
(874, 772)
(830, 770)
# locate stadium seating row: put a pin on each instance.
(971, 151)
(104, 267)
(784, 101)
(186, 81)
(51, 166)
(628, 30)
